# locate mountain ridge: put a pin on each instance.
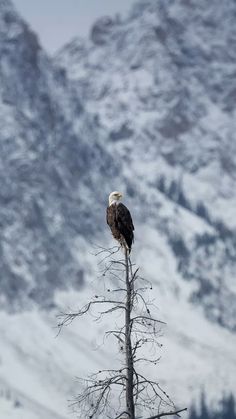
(158, 94)
(45, 155)
(138, 107)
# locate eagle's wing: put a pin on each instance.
(125, 223)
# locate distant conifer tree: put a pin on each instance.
(225, 410)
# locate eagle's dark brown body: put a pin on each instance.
(121, 224)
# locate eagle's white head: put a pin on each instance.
(114, 197)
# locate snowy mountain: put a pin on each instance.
(49, 144)
(162, 84)
(146, 105)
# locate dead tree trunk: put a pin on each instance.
(128, 343)
(125, 390)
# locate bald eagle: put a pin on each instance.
(120, 221)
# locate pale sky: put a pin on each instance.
(57, 21)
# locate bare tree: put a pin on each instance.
(124, 392)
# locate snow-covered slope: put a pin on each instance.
(161, 83)
(146, 106)
(49, 146)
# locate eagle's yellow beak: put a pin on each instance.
(120, 195)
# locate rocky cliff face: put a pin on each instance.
(161, 83)
(49, 147)
(146, 105)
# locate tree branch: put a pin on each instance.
(167, 414)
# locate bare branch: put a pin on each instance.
(122, 413)
(124, 389)
(69, 317)
(151, 319)
(160, 415)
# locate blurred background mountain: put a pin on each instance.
(146, 105)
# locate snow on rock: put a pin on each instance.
(161, 85)
(146, 106)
